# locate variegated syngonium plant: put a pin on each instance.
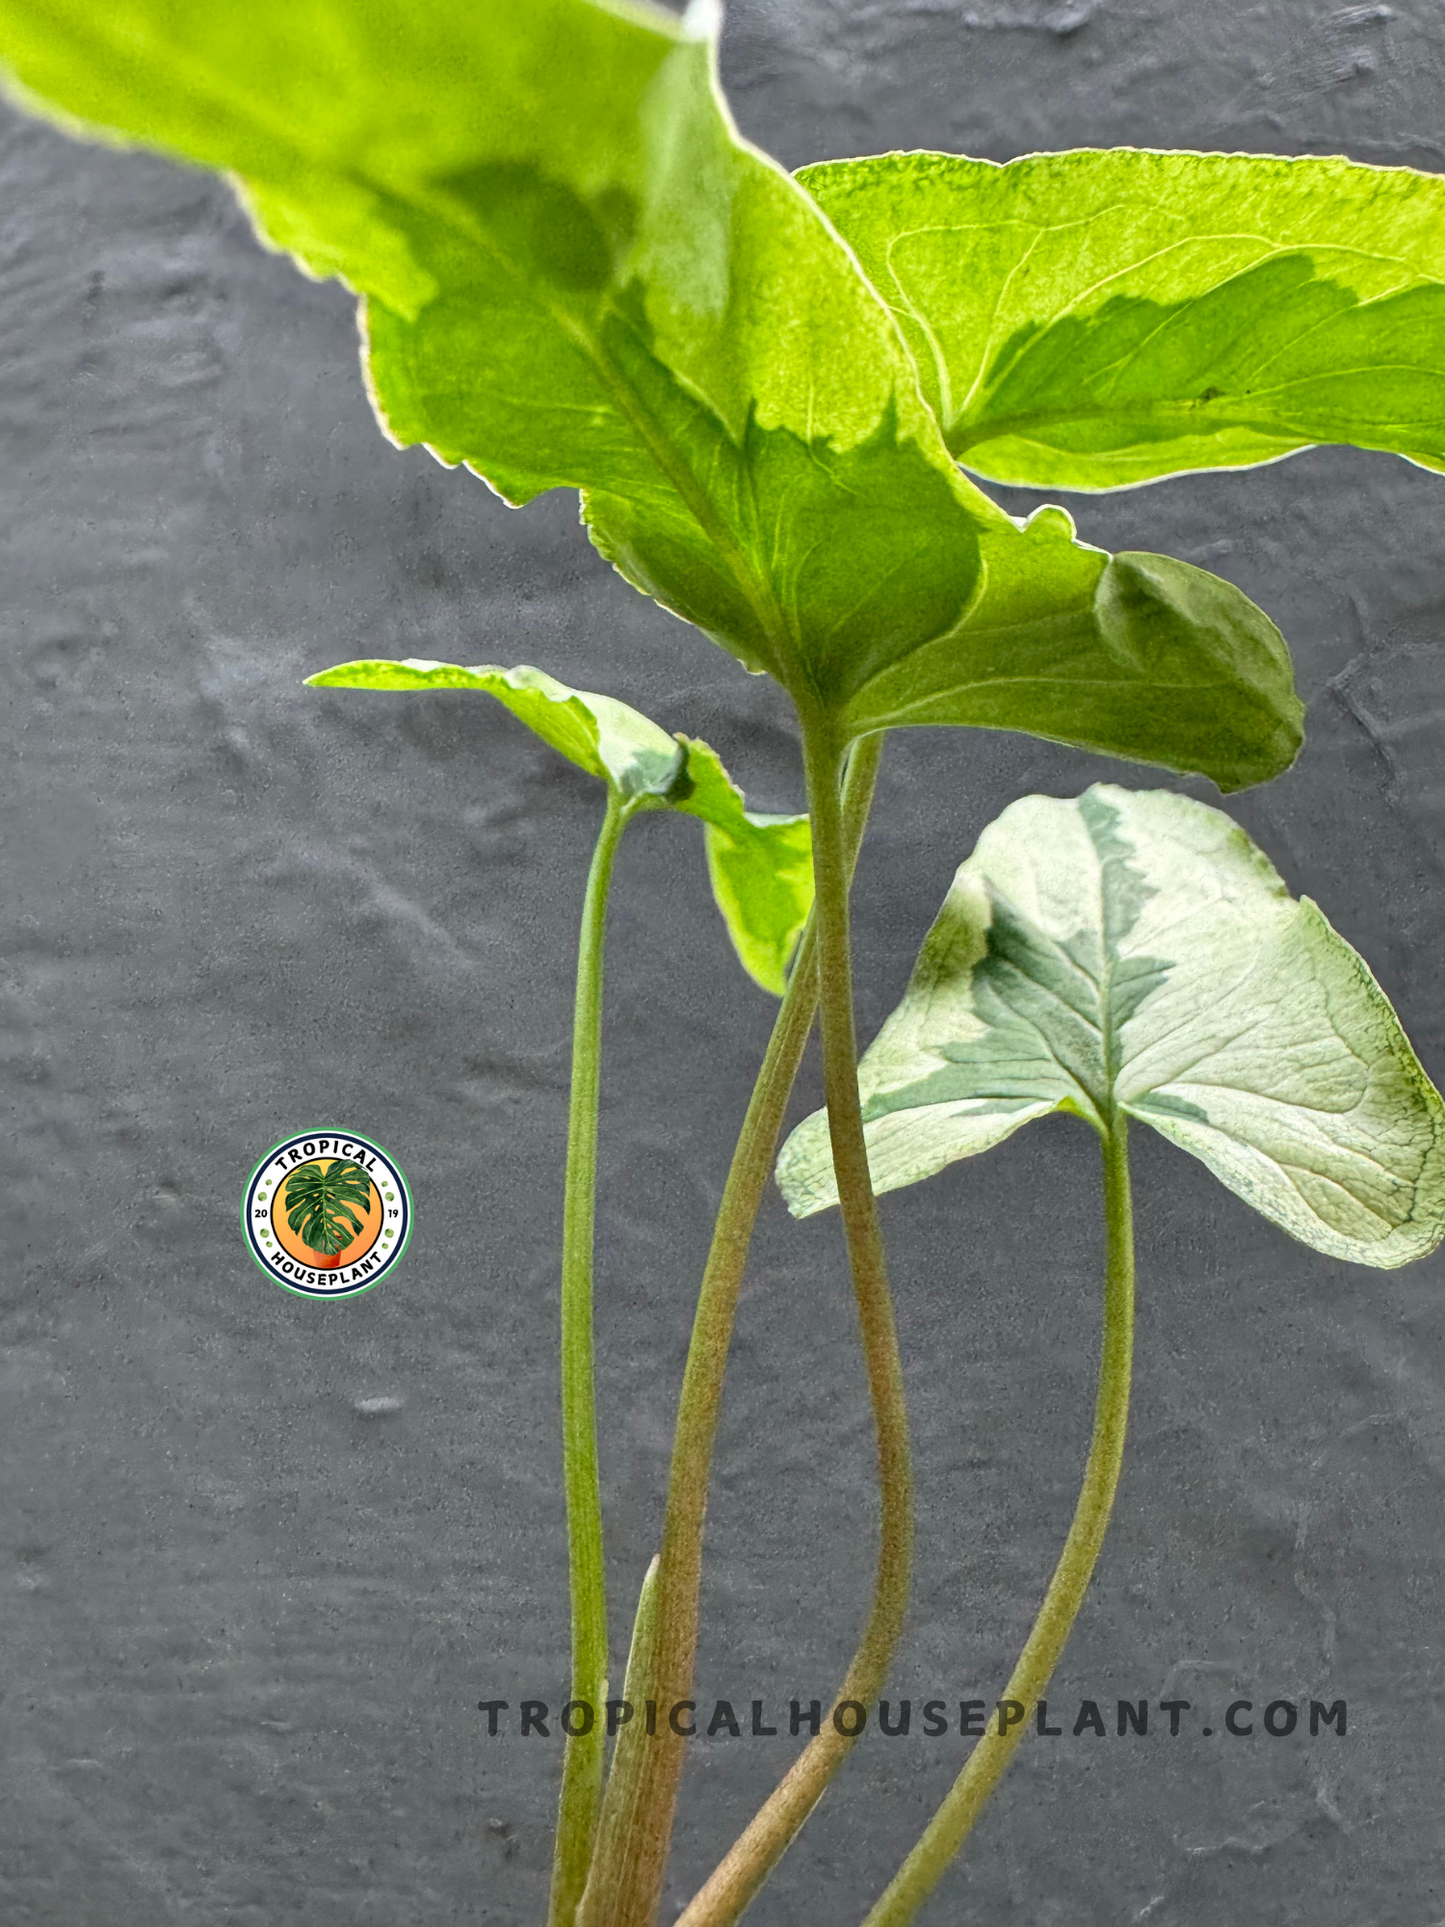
(772, 393)
(1134, 952)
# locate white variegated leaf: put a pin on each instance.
(1134, 951)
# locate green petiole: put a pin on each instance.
(640, 1870)
(584, 1754)
(575, 273)
(737, 1878)
(951, 1825)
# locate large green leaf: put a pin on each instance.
(1133, 950)
(578, 275)
(761, 866)
(575, 273)
(1089, 320)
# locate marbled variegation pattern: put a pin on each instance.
(1134, 950)
(1092, 319)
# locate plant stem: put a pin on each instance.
(584, 1754)
(753, 1856)
(950, 1826)
(619, 1801)
(636, 1896)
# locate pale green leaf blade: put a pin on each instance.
(1096, 319)
(903, 1146)
(1140, 656)
(761, 867)
(1011, 1074)
(597, 733)
(1135, 950)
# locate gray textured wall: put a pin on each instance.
(245, 1628)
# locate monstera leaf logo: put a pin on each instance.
(318, 1205)
(327, 1213)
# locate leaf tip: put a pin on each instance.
(703, 21)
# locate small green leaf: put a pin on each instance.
(597, 733)
(760, 866)
(1134, 950)
(1139, 656)
(1095, 319)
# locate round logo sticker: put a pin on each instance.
(327, 1213)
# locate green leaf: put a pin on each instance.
(576, 274)
(1090, 645)
(597, 733)
(761, 867)
(317, 1197)
(1095, 319)
(1133, 950)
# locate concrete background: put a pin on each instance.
(245, 1627)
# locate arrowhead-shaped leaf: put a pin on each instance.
(761, 866)
(1135, 950)
(1094, 319)
(576, 274)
